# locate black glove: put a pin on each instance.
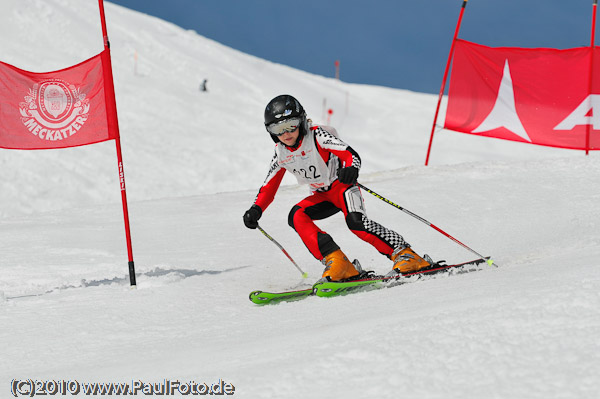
(348, 175)
(251, 216)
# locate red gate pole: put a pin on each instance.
(110, 97)
(592, 47)
(437, 110)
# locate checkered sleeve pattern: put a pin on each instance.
(338, 147)
(390, 237)
(328, 140)
(355, 160)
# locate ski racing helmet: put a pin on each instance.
(285, 113)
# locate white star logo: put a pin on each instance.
(504, 114)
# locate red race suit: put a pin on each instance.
(315, 161)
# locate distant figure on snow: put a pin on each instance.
(316, 156)
(203, 85)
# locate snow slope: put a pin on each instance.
(527, 329)
(178, 141)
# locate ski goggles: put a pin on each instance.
(284, 126)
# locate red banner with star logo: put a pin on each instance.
(66, 108)
(539, 96)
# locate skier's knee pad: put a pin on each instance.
(291, 216)
(354, 220)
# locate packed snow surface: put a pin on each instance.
(193, 163)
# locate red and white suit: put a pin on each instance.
(315, 161)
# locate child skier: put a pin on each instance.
(317, 157)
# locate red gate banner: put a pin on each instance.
(66, 108)
(539, 96)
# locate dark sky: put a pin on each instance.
(395, 43)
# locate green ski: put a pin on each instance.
(263, 298)
(338, 288)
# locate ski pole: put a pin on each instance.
(488, 261)
(304, 275)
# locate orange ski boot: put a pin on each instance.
(338, 267)
(407, 261)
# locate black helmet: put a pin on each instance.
(282, 108)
